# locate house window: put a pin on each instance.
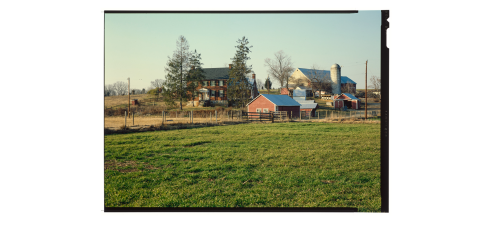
(221, 93)
(205, 83)
(258, 110)
(212, 93)
(265, 110)
(221, 83)
(213, 83)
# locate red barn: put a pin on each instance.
(346, 99)
(265, 103)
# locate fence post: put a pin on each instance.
(231, 115)
(133, 118)
(215, 116)
(291, 115)
(300, 115)
(272, 117)
(125, 119)
(210, 117)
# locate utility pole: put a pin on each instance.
(366, 91)
(128, 97)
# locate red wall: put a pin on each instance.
(261, 102)
(295, 110)
(339, 104)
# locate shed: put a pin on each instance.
(265, 103)
(307, 106)
(134, 102)
(348, 100)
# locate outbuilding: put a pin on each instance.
(266, 103)
(346, 99)
(307, 106)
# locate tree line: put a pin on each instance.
(120, 88)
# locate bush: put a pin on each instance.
(360, 94)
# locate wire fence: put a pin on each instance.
(225, 116)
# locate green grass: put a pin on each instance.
(247, 165)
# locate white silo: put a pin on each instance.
(335, 76)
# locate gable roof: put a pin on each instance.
(278, 100)
(349, 96)
(326, 74)
(216, 73)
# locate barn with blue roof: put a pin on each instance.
(304, 76)
(266, 103)
(346, 99)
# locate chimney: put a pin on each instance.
(253, 76)
(230, 65)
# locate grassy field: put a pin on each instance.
(248, 165)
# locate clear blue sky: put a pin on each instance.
(138, 45)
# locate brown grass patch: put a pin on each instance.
(123, 100)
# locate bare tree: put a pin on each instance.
(319, 80)
(298, 81)
(375, 83)
(158, 83)
(108, 90)
(280, 67)
(348, 88)
(260, 84)
(120, 88)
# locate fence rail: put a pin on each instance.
(217, 117)
(253, 116)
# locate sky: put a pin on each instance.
(138, 45)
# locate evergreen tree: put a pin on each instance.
(177, 70)
(268, 83)
(238, 85)
(195, 76)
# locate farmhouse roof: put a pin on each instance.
(216, 73)
(278, 100)
(326, 74)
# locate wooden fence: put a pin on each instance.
(272, 116)
(253, 116)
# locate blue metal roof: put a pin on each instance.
(281, 100)
(351, 96)
(326, 74)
